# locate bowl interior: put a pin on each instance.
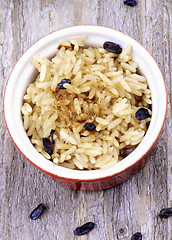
(24, 73)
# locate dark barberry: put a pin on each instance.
(84, 228)
(137, 236)
(47, 146)
(60, 85)
(130, 3)
(51, 135)
(37, 211)
(142, 114)
(112, 47)
(89, 126)
(165, 213)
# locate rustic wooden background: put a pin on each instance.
(118, 212)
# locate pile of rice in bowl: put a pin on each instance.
(88, 107)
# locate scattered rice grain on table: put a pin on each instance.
(82, 88)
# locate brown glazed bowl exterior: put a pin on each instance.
(23, 73)
(103, 183)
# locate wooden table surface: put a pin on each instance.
(118, 212)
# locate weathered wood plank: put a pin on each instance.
(120, 211)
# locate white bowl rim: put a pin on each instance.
(84, 175)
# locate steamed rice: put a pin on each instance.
(106, 89)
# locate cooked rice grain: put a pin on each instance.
(106, 90)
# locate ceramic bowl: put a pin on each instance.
(23, 73)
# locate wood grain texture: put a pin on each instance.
(118, 212)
